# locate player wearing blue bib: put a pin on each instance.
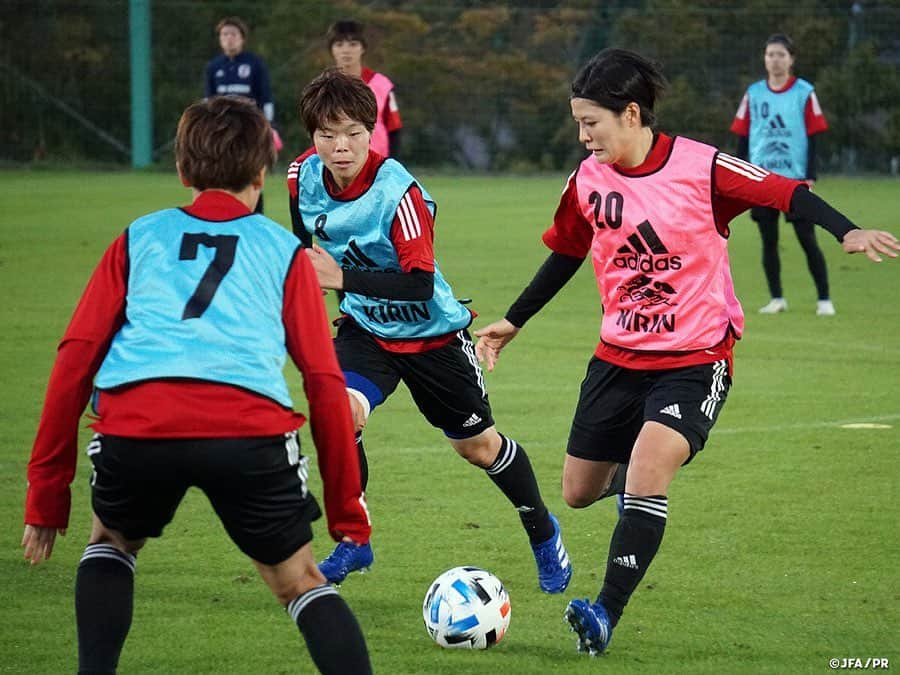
(149, 346)
(776, 123)
(374, 228)
(183, 331)
(337, 221)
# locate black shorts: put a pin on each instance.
(615, 403)
(257, 486)
(446, 383)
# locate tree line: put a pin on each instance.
(481, 85)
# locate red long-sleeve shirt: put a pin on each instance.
(193, 409)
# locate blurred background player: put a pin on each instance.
(661, 373)
(236, 72)
(347, 43)
(401, 321)
(777, 122)
(183, 329)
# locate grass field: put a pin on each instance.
(782, 546)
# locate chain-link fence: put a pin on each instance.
(481, 85)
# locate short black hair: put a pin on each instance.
(346, 30)
(783, 40)
(613, 78)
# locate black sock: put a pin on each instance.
(635, 541)
(104, 593)
(512, 473)
(333, 637)
(363, 462)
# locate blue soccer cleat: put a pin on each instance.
(591, 622)
(554, 568)
(346, 557)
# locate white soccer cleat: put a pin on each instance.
(774, 306)
(825, 308)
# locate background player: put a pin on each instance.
(347, 43)
(663, 368)
(186, 323)
(777, 123)
(236, 72)
(401, 321)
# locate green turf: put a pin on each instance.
(782, 546)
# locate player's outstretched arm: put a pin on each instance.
(871, 242)
(492, 339)
(550, 278)
(854, 240)
(38, 542)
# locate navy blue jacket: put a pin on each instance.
(244, 75)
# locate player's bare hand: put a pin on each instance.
(358, 413)
(492, 339)
(871, 242)
(328, 272)
(38, 542)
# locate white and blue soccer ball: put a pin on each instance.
(466, 608)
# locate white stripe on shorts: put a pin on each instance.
(469, 350)
(708, 407)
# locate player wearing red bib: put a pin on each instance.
(653, 213)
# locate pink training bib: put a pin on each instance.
(381, 86)
(662, 267)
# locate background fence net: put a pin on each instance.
(481, 85)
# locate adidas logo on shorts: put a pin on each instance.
(672, 410)
(472, 421)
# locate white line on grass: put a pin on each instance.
(806, 425)
(438, 446)
(781, 339)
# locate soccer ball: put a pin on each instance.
(466, 608)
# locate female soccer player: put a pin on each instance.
(183, 331)
(652, 211)
(777, 123)
(401, 321)
(236, 72)
(347, 44)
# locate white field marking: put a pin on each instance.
(866, 425)
(822, 424)
(819, 343)
(439, 445)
